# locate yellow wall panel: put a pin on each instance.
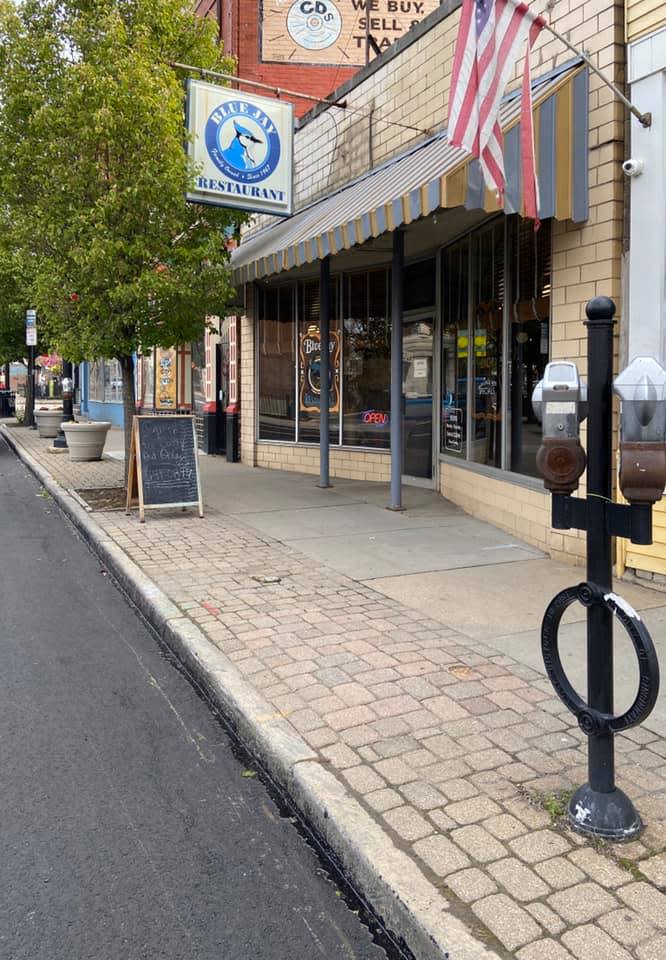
(644, 16)
(653, 557)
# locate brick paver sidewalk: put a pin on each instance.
(457, 751)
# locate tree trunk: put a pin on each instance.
(129, 402)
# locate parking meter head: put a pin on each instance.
(560, 403)
(67, 386)
(642, 390)
(537, 402)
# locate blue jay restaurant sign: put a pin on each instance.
(242, 149)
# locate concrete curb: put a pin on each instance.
(409, 904)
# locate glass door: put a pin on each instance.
(417, 382)
(222, 380)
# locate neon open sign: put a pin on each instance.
(375, 418)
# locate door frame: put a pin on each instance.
(412, 316)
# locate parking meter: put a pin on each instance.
(599, 808)
(67, 387)
(642, 390)
(560, 403)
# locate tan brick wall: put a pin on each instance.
(412, 89)
(521, 511)
(347, 463)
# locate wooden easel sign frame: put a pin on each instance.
(159, 474)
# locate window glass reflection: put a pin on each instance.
(530, 336)
(277, 362)
(487, 316)
(367, 363)
(309, 361)
(455, 349)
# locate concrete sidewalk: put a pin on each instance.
(386, 669)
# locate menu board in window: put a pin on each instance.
(166, 381)
(453, 429)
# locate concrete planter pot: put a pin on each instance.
(86, 440)
(48, 422)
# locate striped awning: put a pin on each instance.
(434, 175)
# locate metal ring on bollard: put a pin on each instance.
(593, 721)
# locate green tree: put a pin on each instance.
(14, 297)
(12, 309)
(92, 158)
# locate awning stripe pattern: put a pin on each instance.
(435, 175)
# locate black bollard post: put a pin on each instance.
(598, 807)
(60, 441)
(30, 390)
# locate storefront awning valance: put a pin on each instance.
(435, 175)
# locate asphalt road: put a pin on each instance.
(127, 828)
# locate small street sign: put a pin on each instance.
(31, 328)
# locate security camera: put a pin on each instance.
(632, 168)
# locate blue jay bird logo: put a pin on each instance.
(242, 141)
(240, 153)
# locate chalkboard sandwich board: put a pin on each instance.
(163, 466)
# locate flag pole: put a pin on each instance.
(643, 118)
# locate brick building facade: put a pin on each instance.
(287, 47)
(240, 24)
(523, 295)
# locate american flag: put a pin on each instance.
(492, 33)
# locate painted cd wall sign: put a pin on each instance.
(314, 24)
(335, 31)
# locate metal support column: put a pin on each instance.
(324, 369)
(397, 280)
(599, 559)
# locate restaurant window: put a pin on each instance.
(420, 285)
(277, 364)
(367, 360)
(113, 382)
(96, 382)
(529, 255)
(309, 364)
(487, 289)
(106, 384)
(199, 375)
(495, 343)
(149, 380)
(455, 349)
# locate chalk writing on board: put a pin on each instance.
(168, 460)
(163, 469)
